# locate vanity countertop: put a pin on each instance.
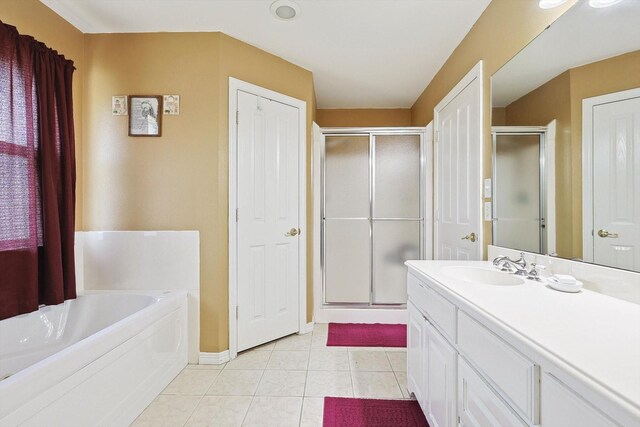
(595, 334)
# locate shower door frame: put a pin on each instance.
(541, 131)
(424, 203)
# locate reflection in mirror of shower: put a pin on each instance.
(372, 216)
(517, 202)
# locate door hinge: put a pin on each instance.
(237, 117)
(236, 312)
(436, 136)
(237, 214)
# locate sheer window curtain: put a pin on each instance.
(37, 175)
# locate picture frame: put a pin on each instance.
(171, 105)
(119, 105)
(145, 115)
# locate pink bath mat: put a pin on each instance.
(348, 412)
(367, 335)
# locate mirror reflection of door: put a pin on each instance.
(518, 190)
(614, 139)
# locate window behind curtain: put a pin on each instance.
(20, 213)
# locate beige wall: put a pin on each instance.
(505, 27)
(364, 117)
(498, 116)
(552, 101)
(178, 181)
(35, 19)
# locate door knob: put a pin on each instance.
(605, 233)
(471, 237)
(293, 232)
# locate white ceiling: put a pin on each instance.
(580, 36)
(363, 53)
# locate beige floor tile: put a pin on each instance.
(289, 360)
(274, 411)
(169, 411)
(319, 340)
(235, 383)
(294, 342)
(369, 361)
(402, 382)
(398, 360)
(220, 411)
(366, 348)
(321, 360)
(252, 359)
(328, 383)
(265, 347)
(212, 367)
(192, 382)
(379, 385)
(320, 328)
(282, 383)
(312, 412)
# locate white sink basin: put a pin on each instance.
(482, 275)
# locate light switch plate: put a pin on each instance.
(487, 188)
(488, 215)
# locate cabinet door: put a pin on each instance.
(441, 374)
(478, 405)
(416, 347)
(562, 407)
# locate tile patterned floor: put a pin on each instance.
(282, 383)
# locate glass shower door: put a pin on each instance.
(372, 216)
(347, 234)
(397, 214)
(518, 221)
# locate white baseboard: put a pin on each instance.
(307, 328)
(213, 358)
(360, 315)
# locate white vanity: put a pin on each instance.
(487, 348)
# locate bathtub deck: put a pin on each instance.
(278, 384)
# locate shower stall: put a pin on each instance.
(372, 214)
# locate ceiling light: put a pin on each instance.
(285, 10)
(602, 3)
(550, 4)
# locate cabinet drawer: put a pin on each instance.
(437, 308)
(512, 373)
(478, 405)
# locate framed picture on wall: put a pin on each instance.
(145, 115)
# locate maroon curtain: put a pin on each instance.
(37, 175)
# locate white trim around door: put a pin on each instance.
(236, 85)
(588, 105)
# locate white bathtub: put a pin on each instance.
(97, 360)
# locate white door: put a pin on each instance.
(268, 220)
(458, 157)
(616, 184)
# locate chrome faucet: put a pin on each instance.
(518, 266)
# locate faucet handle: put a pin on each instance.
(534, 274)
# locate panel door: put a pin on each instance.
(478, 405)
(616, 184)
(458, 161)
(441, 373)
(416, 355)
(268, 220)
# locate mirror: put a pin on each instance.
(566, 139)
